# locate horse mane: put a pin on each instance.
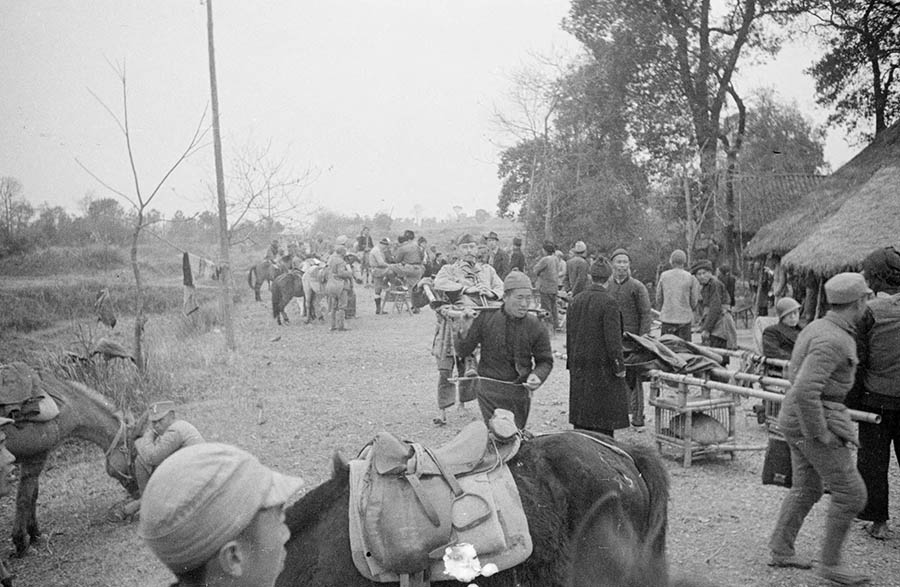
(315, 504)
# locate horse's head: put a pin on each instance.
(121, 452)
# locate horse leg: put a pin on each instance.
(25, 527)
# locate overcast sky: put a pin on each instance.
(391, 101)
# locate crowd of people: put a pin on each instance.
(214, 515)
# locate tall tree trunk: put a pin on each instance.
(139, 319)
(225, 259)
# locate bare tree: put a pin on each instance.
(263, 186)
(140, 200)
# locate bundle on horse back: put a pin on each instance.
(559, 477)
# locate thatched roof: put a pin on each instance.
(789, 230)
(763, 198)
(868, 220)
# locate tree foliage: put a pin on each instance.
(856, 76)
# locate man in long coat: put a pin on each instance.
(598, 396)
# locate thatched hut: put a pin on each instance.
(789, 230)
(834, 226)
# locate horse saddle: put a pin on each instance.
(409, 502)
(22, 395)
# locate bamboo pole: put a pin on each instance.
(749, 391)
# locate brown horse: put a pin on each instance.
(264, 271)
(83, 413)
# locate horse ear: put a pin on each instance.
(606, 550)
(340, 464)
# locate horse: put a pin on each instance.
(314, 298)
(83, 413)
(286, 287)
(264, 271)
(560, 477)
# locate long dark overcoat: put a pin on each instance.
(597, 398)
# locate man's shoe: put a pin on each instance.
(793, 561)
(841, 575)
(879, 530)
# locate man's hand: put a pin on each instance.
(533, 382)
(829, 438)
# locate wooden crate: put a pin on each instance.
(674, 426)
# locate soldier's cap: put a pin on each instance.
(785, 306)
(580, 248)
(492, 236)
(465, 239)
(385, 241)
(159, 410)
(701, 264)
(203, 496)
(341, 240)
(846, 288)
(516, 280)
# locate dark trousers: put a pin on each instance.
(446, 390)
(635, 396)
(874, 459)
(716, 342)
(548, 302)
(682, 331)
(813, 463)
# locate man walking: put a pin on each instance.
(577, 279)
(516, 357)
(634, 303)
(819, 432)
(677, 295)
(598, 397)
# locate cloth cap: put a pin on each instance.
(516, 280)
(465, 239)
(678, 257)
(201, 497)
(159, 410)
(385, 241)
(846, 288)
(618, 252)
(701, 264)
(601, 269)
(785, 306)
(580, 248)
(341, 240)
(492, 236)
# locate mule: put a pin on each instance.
(560, 478)
(83, 413)
(314, 298)
(286, 287)
(262, 272)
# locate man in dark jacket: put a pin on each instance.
(517, 257)
(820, 434)
(878, 384)
(497, 257)
(598, 397)
(712, 306)
(634, 302)
(516, 357)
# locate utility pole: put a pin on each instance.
(226, 301)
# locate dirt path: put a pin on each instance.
(293, 395)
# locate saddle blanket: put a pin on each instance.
(502, 537)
